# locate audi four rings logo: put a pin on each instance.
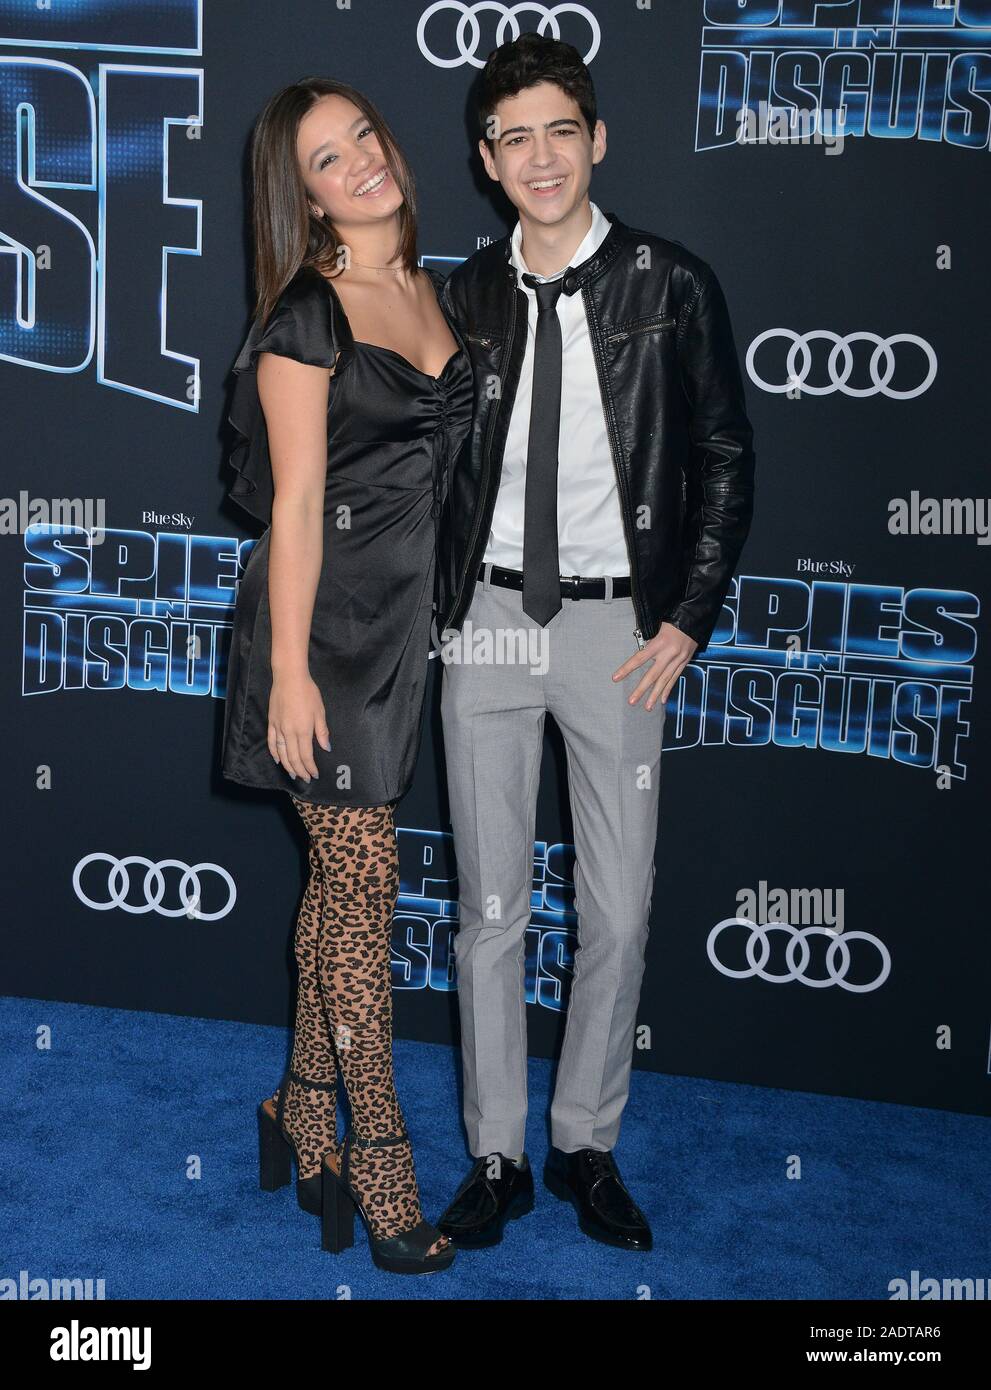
(798, 954)
(188, 892)
(839, 365)
(468, 34)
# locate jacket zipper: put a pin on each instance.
(640, 328)
(483, 482)
(620, 481)
(637, 632)
(461, 345)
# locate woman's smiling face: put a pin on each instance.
(343, 168)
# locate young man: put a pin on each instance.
(601, 506)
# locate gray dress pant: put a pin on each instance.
(493, 718)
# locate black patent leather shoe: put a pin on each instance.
(590, 1181)
(492, 1194)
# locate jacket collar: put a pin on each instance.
(588, 269)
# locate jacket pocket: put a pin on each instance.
(652, 325)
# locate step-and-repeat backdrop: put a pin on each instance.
(819, 918)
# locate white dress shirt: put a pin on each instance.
(591, 540)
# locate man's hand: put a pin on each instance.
(668, 654)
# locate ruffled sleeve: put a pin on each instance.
(307, 324)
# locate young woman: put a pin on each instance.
(352, 395)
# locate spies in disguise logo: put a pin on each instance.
(892, 69)
(873, 669)
(89, 213)
(427, 916)
(849, 668)
(136, 610)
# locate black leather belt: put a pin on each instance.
(572, 586)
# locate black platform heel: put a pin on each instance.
(277, 1148)
(405, 1253)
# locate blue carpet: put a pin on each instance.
(101, 1132)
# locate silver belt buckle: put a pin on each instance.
(573, 581)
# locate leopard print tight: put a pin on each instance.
(311, 1114)
(344, 1008)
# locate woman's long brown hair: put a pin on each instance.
(287, 235)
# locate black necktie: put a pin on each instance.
(541, 569)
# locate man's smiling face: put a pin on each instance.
(543, 153)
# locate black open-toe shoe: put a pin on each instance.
(277, 1148)
(405, 1253)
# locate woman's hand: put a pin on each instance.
(295, 717)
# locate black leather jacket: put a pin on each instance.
(674, 405)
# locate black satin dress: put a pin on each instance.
(392, 434)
